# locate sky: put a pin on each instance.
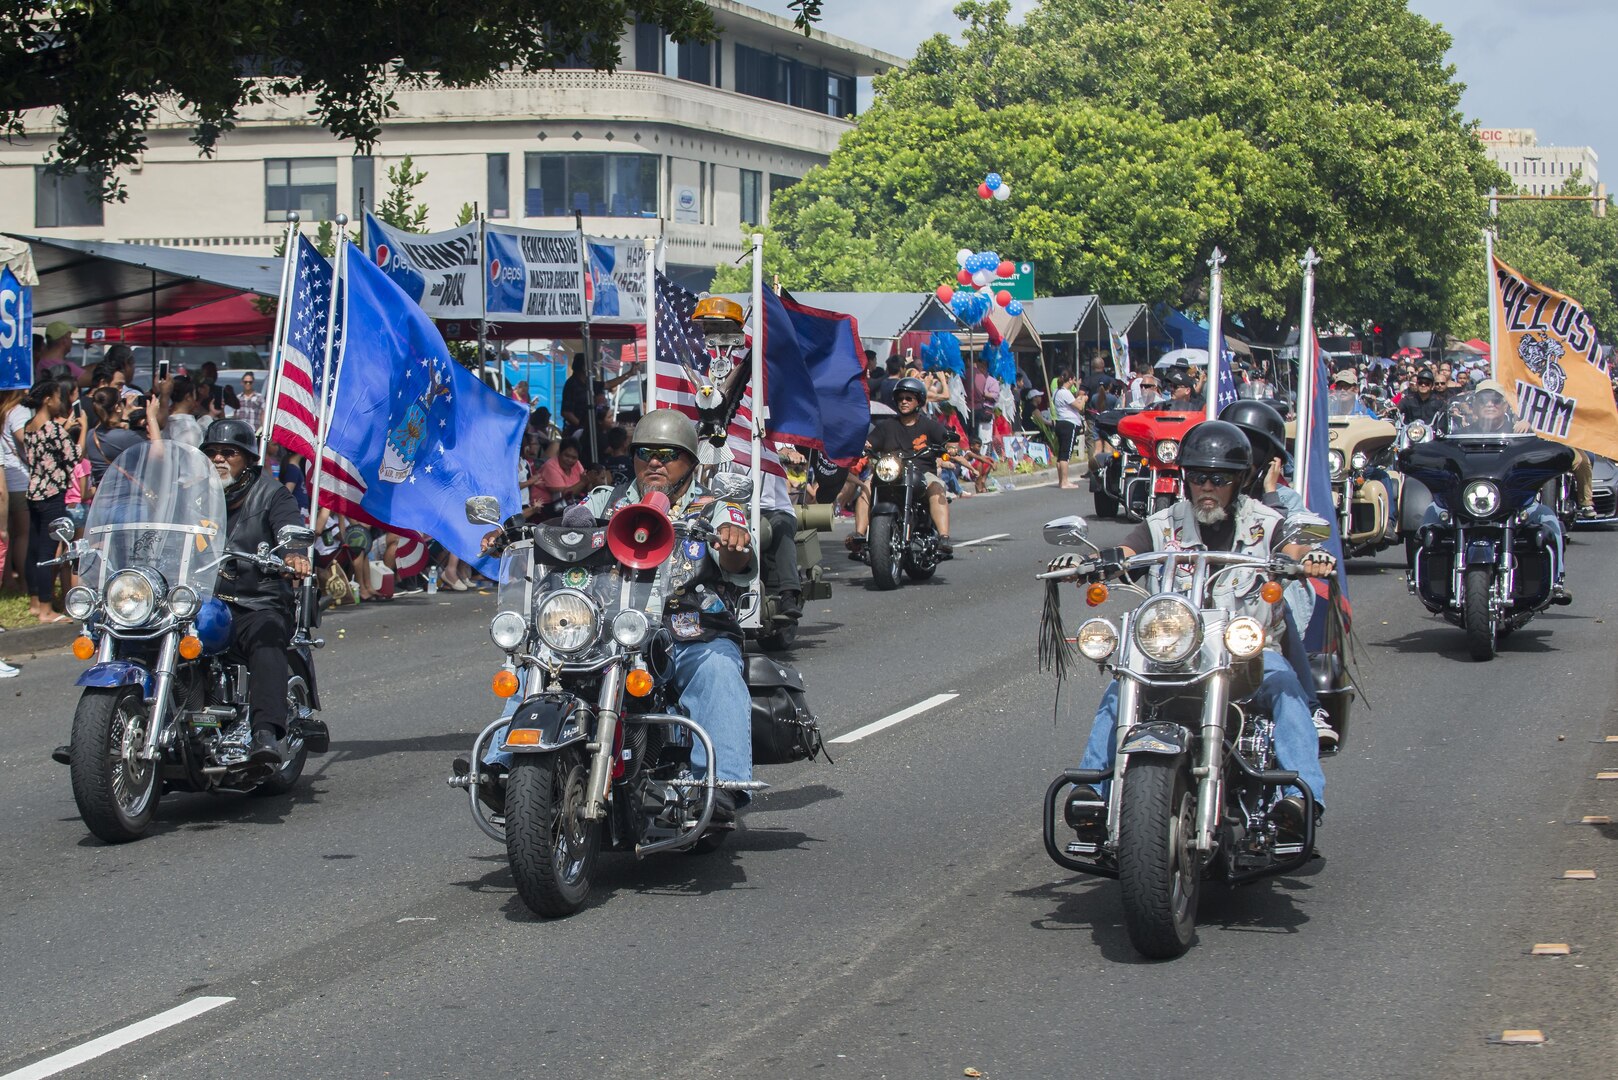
(1546, 65)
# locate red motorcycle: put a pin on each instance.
(1155, 436)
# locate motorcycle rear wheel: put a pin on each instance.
(1482, 637)
(887, 560)
(116, 792)
(1106, 505)
(1158, 870)
(551, 847)
(286, 777)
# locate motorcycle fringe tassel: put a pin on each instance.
(1055, 654)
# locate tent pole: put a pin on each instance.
(648, 386)
(272, 385)
(589, 351)
(152, 296)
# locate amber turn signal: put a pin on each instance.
(505, 683)
(1270, 592)
(1096, 594)
(522, 738)
(190, 647)
(638, 683)
(83, 648)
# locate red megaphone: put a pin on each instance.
(640, 535)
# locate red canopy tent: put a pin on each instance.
(1480, 345)
(236, 321)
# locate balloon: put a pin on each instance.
(962, 255)
(1014, 308)
(982, 277)
(945, 294)
(985, 192)
(992, 181)
(964, 277)
(1003, 298)
(991, 259)
(1006, 268)
(1001, 193)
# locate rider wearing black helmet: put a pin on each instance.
(913, 431)
(1215, 459)
(257, 507)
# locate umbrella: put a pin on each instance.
(1188, 357)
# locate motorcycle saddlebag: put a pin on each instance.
(784, 730)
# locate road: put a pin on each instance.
(889, 915)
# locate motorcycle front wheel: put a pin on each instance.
(115, 790)
(286, 777)
(1481, 637)
(1157, 868)
(551, 846)
(887, 560)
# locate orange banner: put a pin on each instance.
(1548, 354)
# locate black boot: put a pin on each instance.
(265, 749)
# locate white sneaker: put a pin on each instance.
(9, 672)
(1324, 731)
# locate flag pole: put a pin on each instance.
(277, 345)
(328, 395)
(589, 353)
(648, 387)
(1489, 291)
(1306, 370)
(483, 313)
(1216, 333)
(761, 413)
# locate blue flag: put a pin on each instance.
(814, 378)
(422, 432)
(1227, 384)
(16, 333)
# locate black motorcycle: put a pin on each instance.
(778, 625)
(902, 539)
(1483, 565)
(165, 705)
(1118, 466)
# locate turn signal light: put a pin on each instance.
(190, 647)
(1270, 592)
(1096, 594)
(505, 684)
(638, 683)
(522, 738)
(83, 647)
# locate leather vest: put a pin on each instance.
(1175, 528)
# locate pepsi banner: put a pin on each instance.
(439, 271)
(16, 333)
(617, 280)
(533, 275)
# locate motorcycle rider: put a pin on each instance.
(1420, 402)
(914, 431)
(780, 557)
(257, 507)
(1216, 460)
(1344, 399)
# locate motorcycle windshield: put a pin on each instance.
(160, 507)
(1341, 404)
(610, 586)
(516, 577)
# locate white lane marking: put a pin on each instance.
(111, 1041)
(878, 725)
(982, 540)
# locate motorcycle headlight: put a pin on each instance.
(183, 602)
(131, 598)
(79, 603)
(567, 621)
(1167, 629)
(508, 630)
(630, 627)
(1113, 440)
(1244, 637)
(1168, 451)
(887, 468)
(1481, 498)
(1097, 639)
(1359, 460)
(1416, 432)
(1335, 461)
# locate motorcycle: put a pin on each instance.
(601, 754)
(1483, 566)
(1359, 447)
(165, 706)
(778, 629)
(902, 539)
(1196, 776)
(1155, 436)
(1118, 466)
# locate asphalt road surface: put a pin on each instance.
(889, 915)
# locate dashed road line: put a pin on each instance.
(111, 1041)
(982, 540)
(880, 725)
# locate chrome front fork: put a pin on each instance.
(158, 709)
(1210, 770)
(1128, 705)
(608, 706)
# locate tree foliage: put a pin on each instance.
(399, 207)
(108, 66)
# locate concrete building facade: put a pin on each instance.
(1535, 169)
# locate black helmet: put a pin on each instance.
(910, 386)
(1216, 444)
(234, 433)
(1262, 424)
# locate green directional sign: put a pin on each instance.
(1020, 284)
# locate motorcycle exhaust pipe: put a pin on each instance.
(816, 516)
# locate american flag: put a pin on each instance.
(681, 352)
(295, 413)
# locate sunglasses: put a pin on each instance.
(1209, 479)
(665, 455)
(224, 452)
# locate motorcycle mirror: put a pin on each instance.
(294, 536)
(1070, 531)
(1304, 528)
(62, 529)
(732, 487)
(483, 510)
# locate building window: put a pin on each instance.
(307, 185)
(648, 47)
(600, 185)
(752, 197)
(64, 200)
(840, 95)
(499, 185)
(364, 186)
(777, 182)
(696, 62)
(791, 82)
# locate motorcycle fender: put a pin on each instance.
(303, 664)
(1157, 737)
(1414, 499)
(555, 718)
(1481, 553)
(1167, 484)
(117, 673)
(885, 509)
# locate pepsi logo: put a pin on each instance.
(494, 269)
(382, 254)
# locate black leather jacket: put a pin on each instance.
(253, 518)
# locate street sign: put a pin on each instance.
(1020, 284)
(16, 333)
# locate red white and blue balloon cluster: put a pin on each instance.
(994, 187)
(978, 269)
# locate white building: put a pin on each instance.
(684, 141)
(1535, 169)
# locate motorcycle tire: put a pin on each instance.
(551, 848)
(1158, 870)
(116, 802)
(887, 560)
(286, 777)
(1106, 505)
(1161, 502)
(1482, 638)
(709, 842)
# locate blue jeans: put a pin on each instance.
(713, 692)
(1280, 693)
(1540, 515)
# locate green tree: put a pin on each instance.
(108, 66)
(399, 207)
